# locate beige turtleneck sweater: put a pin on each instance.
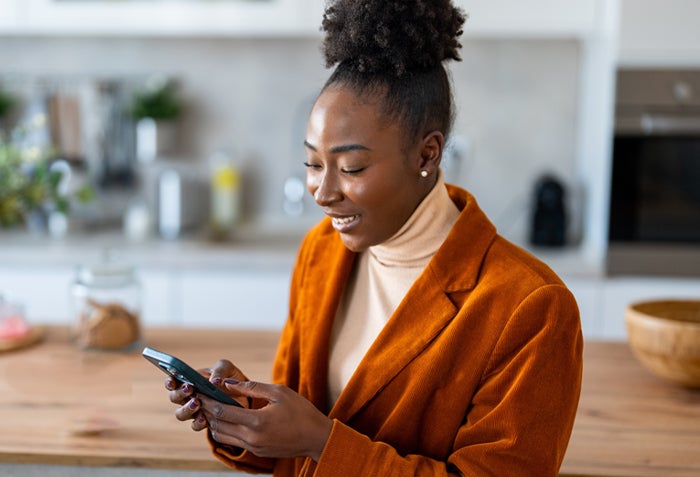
(381, 277)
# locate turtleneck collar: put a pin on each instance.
(420, 237)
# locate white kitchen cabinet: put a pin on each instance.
(602, 300)
(516, 18)
(588, 294)
(180, 18)
(620, 292)
(44, 292)
(489, 18)
(171, 296)
(9, 15)
(183, 283)
(237, 299)
(159, 304)
(656, 33)
(533, 18)
(257, 297)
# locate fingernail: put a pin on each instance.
(216, 380)
(231, 381)
(169, 385)
(187, 389)
(193, 404)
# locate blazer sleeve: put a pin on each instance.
(521, 416)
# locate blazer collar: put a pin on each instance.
(466, 244)
(425, 310)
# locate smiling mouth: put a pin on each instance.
(343, 224)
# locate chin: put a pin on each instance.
(353, 245)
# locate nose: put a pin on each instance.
(324, 188)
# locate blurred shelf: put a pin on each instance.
(248, 250)
(270, 18)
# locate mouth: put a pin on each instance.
(345, 223)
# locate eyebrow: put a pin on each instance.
(338, 149)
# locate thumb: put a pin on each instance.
(253, 389)
(224, 369)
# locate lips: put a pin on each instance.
(345, 223)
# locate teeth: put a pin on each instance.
(344, 220)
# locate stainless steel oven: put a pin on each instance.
(654, 223)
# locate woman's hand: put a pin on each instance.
(288, 425)
(184, 394)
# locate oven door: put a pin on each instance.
(655, 195)
(655, 204)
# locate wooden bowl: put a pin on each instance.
(665, 336)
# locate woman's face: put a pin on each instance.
(360, 171)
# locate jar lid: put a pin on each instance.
(108, 272)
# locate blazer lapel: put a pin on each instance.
(420, 317)
(322, 292)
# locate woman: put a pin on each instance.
(419, 342)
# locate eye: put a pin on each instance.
(308, 165)
(352, 171)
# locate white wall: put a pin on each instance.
(517, 104)
(660, 33)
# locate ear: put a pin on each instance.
(431, 151)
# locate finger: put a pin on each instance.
(181, 394)
(228, 434)
(199, 423)
(218, 411)
(227, 424)
(206, 372)
(188, 411)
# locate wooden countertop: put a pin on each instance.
(629, 423)
(53, 394)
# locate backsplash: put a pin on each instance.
(516, 101)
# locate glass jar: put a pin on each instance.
(13, 323)
(107, 303)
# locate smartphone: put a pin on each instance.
(181, 371)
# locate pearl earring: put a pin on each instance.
(424, 173)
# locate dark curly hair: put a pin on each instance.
(395, 49)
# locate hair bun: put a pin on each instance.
(391, 36)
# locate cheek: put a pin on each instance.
(311, 183)
(362, 194)
(375, 196)
(390, 202)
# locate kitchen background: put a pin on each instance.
(534, 92)
(517, 104)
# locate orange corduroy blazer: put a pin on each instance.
(477, 373)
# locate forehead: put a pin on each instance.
(341, 115)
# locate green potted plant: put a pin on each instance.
(29, 185)
(155, 109)
(7, 101)
(158, 100)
